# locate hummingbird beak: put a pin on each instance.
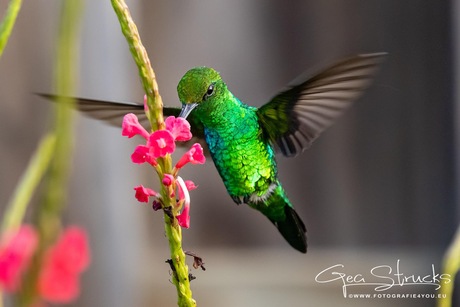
(186, 109)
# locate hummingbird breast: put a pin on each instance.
(244, 160)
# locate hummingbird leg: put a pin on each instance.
(237, 199)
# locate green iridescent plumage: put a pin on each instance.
(243, 140)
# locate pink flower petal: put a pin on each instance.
(161, 143)
(131, 127)
(179, 128)
(72, 249)
(139, 154)
(143, 154)
(17, 248)
(168, 179)
(143, 194)
(58, 285)
(184, 218)
(190, 185)
(194, 155)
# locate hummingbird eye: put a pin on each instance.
(209, 92)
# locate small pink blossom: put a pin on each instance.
(143, 194)
(73, 243)
(179, 128)
(168, 179)
(16, 250)
(58, 286)
(161, 143)
(58, 280)
(131, 127)
(190, 185)
(142, 154)
(194, 155)
(184, 217)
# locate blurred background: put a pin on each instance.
(376, 187)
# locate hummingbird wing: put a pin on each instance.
(294, 118)
(112, 113)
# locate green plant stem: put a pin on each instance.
(180, 272)
(129, 29)
(65, 73)
(49, 211)
(451, 266)
(6, 27)
(29, 181)
(155, 115)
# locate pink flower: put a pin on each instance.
(74, 245)
(142, 154)
(57, 285)
(183, 218)
(194, 155)
(16, 250)
(58, 280)
(143, 194)
(179, 128)
(161, 143)
(131, 127)
(190, 185)
(168, 179)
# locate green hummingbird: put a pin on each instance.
(243, 140)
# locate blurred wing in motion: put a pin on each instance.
(112, 113)
(294, 118)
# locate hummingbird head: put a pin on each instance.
(198, 85)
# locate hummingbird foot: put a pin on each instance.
(238, 200)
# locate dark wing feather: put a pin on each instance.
(112, 113)
(293, 119)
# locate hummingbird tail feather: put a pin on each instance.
(278, 209)
(293, 229)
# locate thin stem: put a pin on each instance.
(155, 115)
(180, 271)
(6, 27)
(29, 181)
(129, 29)
(451, 267)
(54, 199)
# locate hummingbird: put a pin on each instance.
(243, 140)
